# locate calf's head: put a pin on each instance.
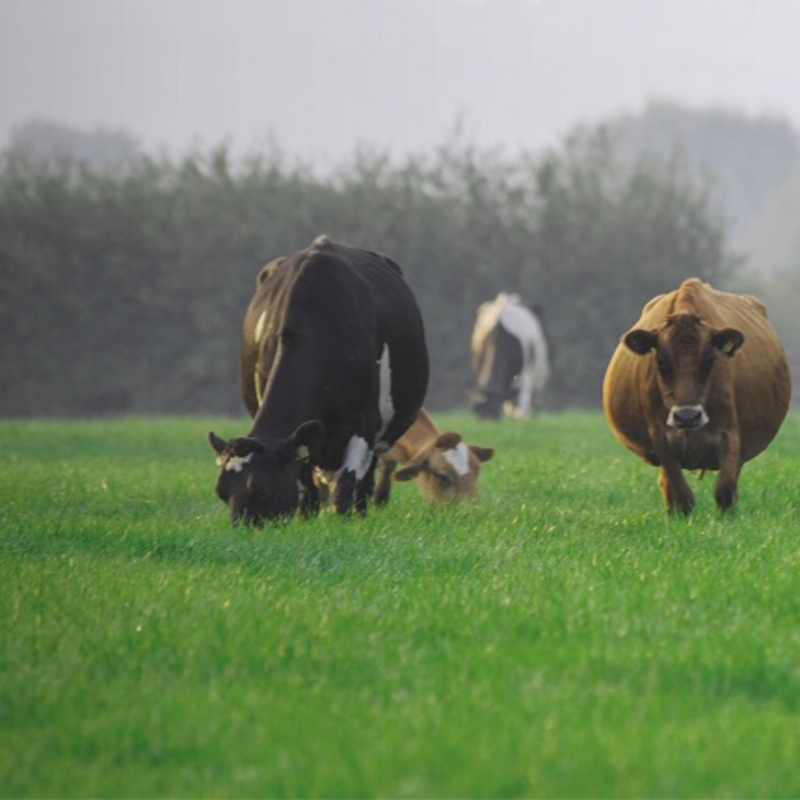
(686, 353)
(447, 469)
(260, 480)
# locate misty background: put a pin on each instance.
(156, 152)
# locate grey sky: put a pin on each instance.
(323, 76)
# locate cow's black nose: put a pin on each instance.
(689, 417)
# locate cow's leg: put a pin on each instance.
(309, 492)
(678, 496)
(383, 486)
(365, 488)
(524, 403)
(726, 491)
(358, 459)
(344, 492)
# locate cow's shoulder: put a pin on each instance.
(269, 270)
(757, 306)
(725, 308)
(651, 304)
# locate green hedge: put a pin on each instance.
(124, 292)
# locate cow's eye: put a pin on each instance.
(663, 363)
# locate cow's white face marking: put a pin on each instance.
(458, 458)
(699, 408)
(357, 458)
(385, 404)
(259, 331)
(234, 463)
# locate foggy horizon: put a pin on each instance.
(321, 78)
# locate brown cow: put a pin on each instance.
(445, 467)
(701, 382)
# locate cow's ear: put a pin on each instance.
(448, 440)
(218, 443)
(411, 470)
(640, 341)
(727, 341)
(245, 445)
(482, 453)
(309, 436)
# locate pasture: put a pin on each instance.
(560, 637)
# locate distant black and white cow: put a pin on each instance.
(510, 359)
(334, 369)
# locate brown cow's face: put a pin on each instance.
(447, 469)
(686, 352)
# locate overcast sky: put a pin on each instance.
(323, 76)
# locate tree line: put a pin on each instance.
(124, 290)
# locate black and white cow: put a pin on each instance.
(334, 369)
(510, 359)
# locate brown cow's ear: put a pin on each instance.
(482, 453)
(640, 341)
(448, 440)
(411, 470)
(728, 341)
(218, 443)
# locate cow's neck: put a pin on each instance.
(282, 412)
(421, 433)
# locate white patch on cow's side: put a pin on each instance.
(357, 458)
(458, 458)
(385, 404)
(259, 331)
(235, 463)
(520, 322)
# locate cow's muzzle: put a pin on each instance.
(687, 417)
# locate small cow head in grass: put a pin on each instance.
(261, 481)
(446, 469)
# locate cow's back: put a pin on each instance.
(759, 370)
(360, 301)
(400, 327)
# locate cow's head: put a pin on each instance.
(686, 352)
(447, 469)
(260, 480)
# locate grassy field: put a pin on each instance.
(560, 637)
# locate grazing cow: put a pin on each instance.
(700, 382)
(334, 369)
(510, 359)
(445, 467)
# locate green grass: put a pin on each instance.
(560, 637)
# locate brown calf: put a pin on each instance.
(446, 468)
